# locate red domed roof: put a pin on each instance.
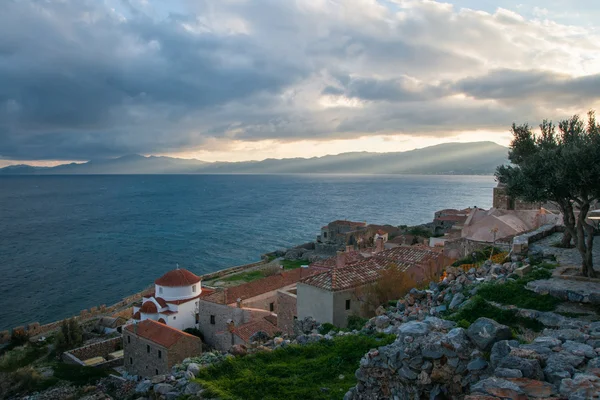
(137, 315)
(178, 277)
(149, 308)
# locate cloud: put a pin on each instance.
(87, 79)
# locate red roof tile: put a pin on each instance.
(351, 257)
(367, 271)
(161, 334)
(245, 331)
(137, 315)
(268, 284)
(178, 277)
(149, 307)
(161, 301)
(182, 301)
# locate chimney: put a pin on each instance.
(349, 249)
(379, 245)
(340, 259)
(239, 302)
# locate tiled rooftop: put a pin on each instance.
(245, 331)
(158, 333)
(177, 278)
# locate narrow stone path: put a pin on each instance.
(566, 257)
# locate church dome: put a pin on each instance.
(178, 278)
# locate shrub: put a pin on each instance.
(356, 322)
(195, 331)
(326, 328)
(477, 307)
(69, 336)
(20, 357)
(18, 338)
(514, 292)
(78, 374)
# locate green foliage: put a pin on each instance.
(356, 322)
(480, 256)
(18, 338)
(514, 292)
(293, 264)
(477, 307)
(77, 374)
(70, 335)
(463, 323)
(419, 231)
(294, 372)
(195, 331)
(21, 356)
(326, 328)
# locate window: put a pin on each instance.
(147, 348)
(271, 306)
(174, 318)
(348, 304)
(131, 360)
(159, 354)
(159, 290)
(197, 318)
(212, 319)
(156, 371)
(194, 288)
(324, 234)
(128, 339)
(295, 318)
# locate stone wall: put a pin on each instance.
(217, 334)
(286, 305)
(98, 349)
(139, 361)
(239, 268)
(521, 243)
(459, 248)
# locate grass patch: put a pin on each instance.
(78, 374)
(478, 307)
(244, 276)
(296, 372)
(21, 356)
(293, 264)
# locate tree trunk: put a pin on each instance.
(585, 244)
(566, 240)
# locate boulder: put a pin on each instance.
(238, 350)
(192, 388)
(508, 373)
(456, 301)
(498, 387)
(579, 349)
(485, 332)
(193, 368)
(528, 367)
(414, 328)
(163, 388)
(382, 321)
(581, 387)
(143, 386)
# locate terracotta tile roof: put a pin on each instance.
(149, 307)
(351, 257)
(137, 315)
(268, 284)
(178, 277)
(348, 223)
(158, 333)
(272, 319)
(367, 271)
(161, 301)
(245, 331)
(400, 239)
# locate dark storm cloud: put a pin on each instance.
(79, 80)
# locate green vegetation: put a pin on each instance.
(293, 264)
(323, 370)
(78, 374)
(262, 273)
(514, 292)
(20, 357)
(478, 307)
(196, 332)
(419, 231)
(356, 322)
(70, 335)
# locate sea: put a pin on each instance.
(68, 243)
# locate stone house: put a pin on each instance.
(152, 348)
(330, 296)
(335, 232)
(230, 316)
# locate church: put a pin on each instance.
(174, 301)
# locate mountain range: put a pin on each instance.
(448, 158)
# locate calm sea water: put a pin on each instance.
(73, 242)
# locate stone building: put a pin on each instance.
(152, 348)
(335, 232)
(502, 201)
(331, 296)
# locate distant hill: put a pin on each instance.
(449, 158)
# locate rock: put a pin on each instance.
(581, 387)
(238, 350)
(193, 368)
(477, 364)
(188, 375)
(382, 321)
(414, 328)
(485, 332)
(163, 388)
(579, 349)
(530, 368)
(566, 334)
(547, 341)
(158, 379)
(524, 270)
(534, 388)
(501, 349)
(143, 386)
(508, 373)
(192, 388)
(498, 387)
(457, 340)
(561, 366)
(456, 301)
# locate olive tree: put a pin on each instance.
(560, 166)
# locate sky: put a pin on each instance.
(234, 80)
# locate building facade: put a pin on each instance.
(152, 348)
